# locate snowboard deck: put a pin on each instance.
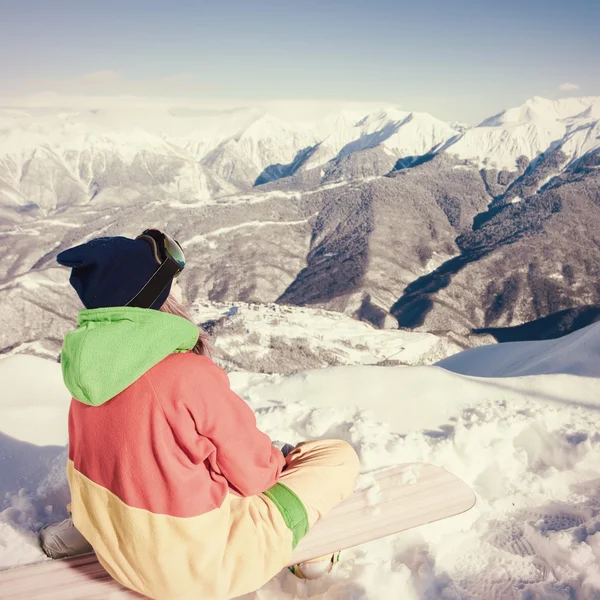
(394, 500)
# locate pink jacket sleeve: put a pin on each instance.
(244, 454)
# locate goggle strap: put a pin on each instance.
(161, 278)
(153, 244)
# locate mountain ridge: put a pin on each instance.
(379, 216)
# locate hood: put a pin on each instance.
(113, 347)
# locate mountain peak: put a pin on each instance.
(383, 116)
(544, 109)
(264, 125)
(529, 130)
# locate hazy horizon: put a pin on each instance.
(287, 110)
(462, 61)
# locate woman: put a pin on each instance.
(172, 484)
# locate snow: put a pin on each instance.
(60, 224)
(250, 224)
(576, 354)
(518, 422)
(583, 139)
(530, 129)
(351, 342)
(263, 197)
(399, 133)
(500, 146)
(37, 413)
(542, 109)
(435, 261)
(251, 138)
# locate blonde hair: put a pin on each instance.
(174, 307)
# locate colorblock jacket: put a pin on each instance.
(172, 483)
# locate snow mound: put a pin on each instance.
(574, 354)
(34, 403)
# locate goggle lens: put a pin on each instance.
(164, 244)
(174, 250)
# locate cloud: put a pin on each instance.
(568, 87)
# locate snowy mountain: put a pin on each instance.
(55, 162)
(527, 445)
(530, 130)
(392, 217)
(95, 151)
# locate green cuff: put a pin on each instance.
(292, 510)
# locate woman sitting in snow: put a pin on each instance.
(172, 484)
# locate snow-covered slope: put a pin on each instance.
(529, 130)
(271, 338)
(528, 446)
(266, 141)
(55, 161)
(576, 354)
(32, 405)
(401, 134)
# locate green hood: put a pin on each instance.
(113, 347)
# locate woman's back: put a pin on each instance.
(152, 467)
(145, 450)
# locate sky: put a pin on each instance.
(459, 60)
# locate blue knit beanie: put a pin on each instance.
(110, 271)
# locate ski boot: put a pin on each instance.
(61, 540)
(316, 567)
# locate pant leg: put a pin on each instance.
(322, 473)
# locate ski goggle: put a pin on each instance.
(163, 246)
(171, 260)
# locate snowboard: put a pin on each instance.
(386, 502)
(390, 501)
